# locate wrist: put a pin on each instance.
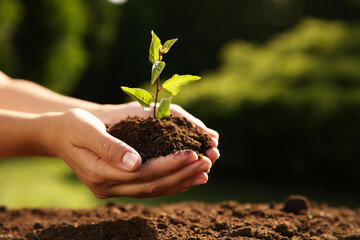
(24, 134)
(46, 126)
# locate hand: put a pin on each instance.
(109, 167)
(114, 113)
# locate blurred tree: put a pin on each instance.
(54, 42)
(101, 41)
(50, 42)
(95, 45)
(291, 106)
(202, 27)
(10, 17)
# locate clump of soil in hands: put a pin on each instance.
(153, 138)
(188, 220)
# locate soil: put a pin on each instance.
(153, 138)
(296, 218)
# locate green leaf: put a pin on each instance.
(164, 109)
(174, 84)
(157, 68)
(168, 44)
(155, 47)
(142, 96)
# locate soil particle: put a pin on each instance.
(162, 226)
(353, 237)
(328, 237)
(38, 226)
(245, 232)
(135, 228)
(187, 220)
(296, 204)
(153, 138)
(220, 226)
(286, 229)
(3, 209)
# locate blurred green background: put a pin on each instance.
(281, 84)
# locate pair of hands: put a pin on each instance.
(110, 167)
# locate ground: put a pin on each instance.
(186, 220)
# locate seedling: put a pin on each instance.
(172, 85)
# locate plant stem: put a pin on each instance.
(156, 95)
(157, 86)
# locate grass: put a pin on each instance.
(38, 182)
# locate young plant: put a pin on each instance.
(172, 85)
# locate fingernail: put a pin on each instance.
(190, 158)
(215, 142)
(205, 168)
(129, 160)
(217, 152)
(213, 133)
(199, 181)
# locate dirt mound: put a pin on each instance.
(153, 137)
(187, 220)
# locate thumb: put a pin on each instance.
(118, 153)
(107, 147)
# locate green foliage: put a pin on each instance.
(157, 68)
(142, 96)
(172, 85)
(155, 47)
(164, 108)
(176, 82)
(316, 62)
(292, 104)
(66, 56)
(42, 182)
(10, 18)
(168, 44)
(55, 42)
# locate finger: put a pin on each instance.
(83, 163)
(92, 135)
(108, 147)
(163, 166)
(178, 111)
(115, 151)
(163, 185)
(200, 179)
(150, 171)
(118, 153)
(213, 154)
(156, 168)
(215, 142)
(185, 181)
(91, 168)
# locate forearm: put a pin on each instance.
(26, 96)
(24, 134)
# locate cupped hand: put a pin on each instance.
(109, 167)
(114, 113)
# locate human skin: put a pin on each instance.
(38, 122)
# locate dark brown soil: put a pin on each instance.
(154, 138)
(187, 220)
